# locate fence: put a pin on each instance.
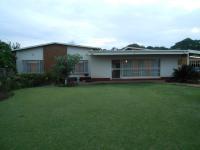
(4, 72)
(196, 64)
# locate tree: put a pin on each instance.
(14, 45)
(182, 45)
(114, 49)
(148, 47)
(187, 44)
(157, 48)
(7, 58)
(64, 66)
(136, 45)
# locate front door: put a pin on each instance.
(115, 69)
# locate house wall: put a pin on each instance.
(167, 65)
(101, 66)
(98, 66)
(83, 52)
(29, 54)
(50, 52)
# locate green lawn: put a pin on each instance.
(102, 117)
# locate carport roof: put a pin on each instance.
(143, 52)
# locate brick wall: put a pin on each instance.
(50, 52)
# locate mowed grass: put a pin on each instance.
(102, 117)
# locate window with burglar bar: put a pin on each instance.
(81, 67)
(139, 68)
(195, 63)
(33, 66)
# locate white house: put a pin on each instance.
(127, 63)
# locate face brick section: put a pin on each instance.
(50, 52)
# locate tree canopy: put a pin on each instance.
(187, 44)
(148, 47)
(7, 58)
(136, 45)
(157, 47)
(182, 45)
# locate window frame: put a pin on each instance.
(140, 68)
(27, 69)
(85, 68)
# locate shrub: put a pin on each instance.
(64, 66)
(5, 84)
(32, 80)
(186, 73)
(24, 80)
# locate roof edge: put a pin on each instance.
(57, 43)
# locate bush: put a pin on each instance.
(33, 80)
(5, 88)
(186, 74)
(25, 80)
(64, 66)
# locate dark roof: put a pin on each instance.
(55, 43)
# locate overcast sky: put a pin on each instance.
(102, 23)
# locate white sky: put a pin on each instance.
(102, 23)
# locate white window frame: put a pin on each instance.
(154, 72)
(85, 68)
(39, 63)
(196, 64)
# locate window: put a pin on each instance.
(182, 61)
(33, 66)
(140, 67)
(81, 67)
(195, 63)
(116, 69)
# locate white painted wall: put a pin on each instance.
(98, 66)
(167, 65)
(29, 54)
(84, 52)
(101, 67)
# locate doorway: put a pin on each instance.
(116, 69)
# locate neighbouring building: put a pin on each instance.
(127, 63)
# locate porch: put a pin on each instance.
(139, 68)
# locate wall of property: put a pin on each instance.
(167, 65)
(50, 53)
(83, 52)
(29, 54)
(98, 66)
(101, 67)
